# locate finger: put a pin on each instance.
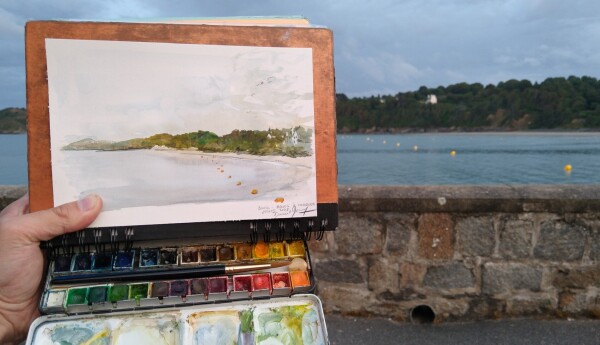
(17, 207)
(70, 217)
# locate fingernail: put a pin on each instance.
(87, 203)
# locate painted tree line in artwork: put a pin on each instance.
(291, 142)
(571, 103)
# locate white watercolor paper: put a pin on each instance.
(117, 91)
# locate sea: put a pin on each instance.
(518, 158)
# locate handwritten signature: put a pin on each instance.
(280, 212)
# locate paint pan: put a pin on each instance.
(101, 261)
(168, 257)
(81, 262)
(138, 291)
(277, 250)
(217, 288)
(179, 288)
(124, 260)
(189, 255)
(77, 296)
(242, 283)
(208, 254)
(198, 290)
(149, 257)
(160, 289)
(260, 250)
(296, 249)
(54, 301)
(300, 280)
(118, 292)
(97, 294)
(226, 253)
(281, 283)
(62, 263)
(261, 284)
(243, 251)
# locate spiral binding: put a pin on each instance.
(129, 233)
(309, 230)
(81, 242)
(98, 244)
(296, 234)
(114, 243)
(253, 232)
(280, 235)
(267, 234)
(118, 239)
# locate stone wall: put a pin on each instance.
(464, 252)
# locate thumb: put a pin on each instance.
(47, 224)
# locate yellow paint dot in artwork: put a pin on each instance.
(254, 191)
(280, 200)
(568, 167)
(452, 153)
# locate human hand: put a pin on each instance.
(22, 260)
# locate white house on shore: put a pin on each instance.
(431, 99)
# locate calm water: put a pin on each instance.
(482, 158)
(13, 159)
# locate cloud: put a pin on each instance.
(380, 47)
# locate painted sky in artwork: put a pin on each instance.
(122, 90)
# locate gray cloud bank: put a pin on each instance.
(381, 47)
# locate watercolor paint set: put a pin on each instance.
(213, 148)
(142, 278)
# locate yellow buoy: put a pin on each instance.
(384, 142)
(415, 148)
(568, 167)
(397, 144)
(452, 153)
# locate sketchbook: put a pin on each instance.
(226, 125)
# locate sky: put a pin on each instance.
(381, 47)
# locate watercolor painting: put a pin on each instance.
(174, 133)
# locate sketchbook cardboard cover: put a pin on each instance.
(178, 123)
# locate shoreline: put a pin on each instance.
(307, 162)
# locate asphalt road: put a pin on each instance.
(366, 331)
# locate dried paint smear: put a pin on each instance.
(215, 327)
(163, 330)
(288, 325)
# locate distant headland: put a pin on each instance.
(568, 104)
(13, 121)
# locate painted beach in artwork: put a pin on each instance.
(296, 321)
(173, 133)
